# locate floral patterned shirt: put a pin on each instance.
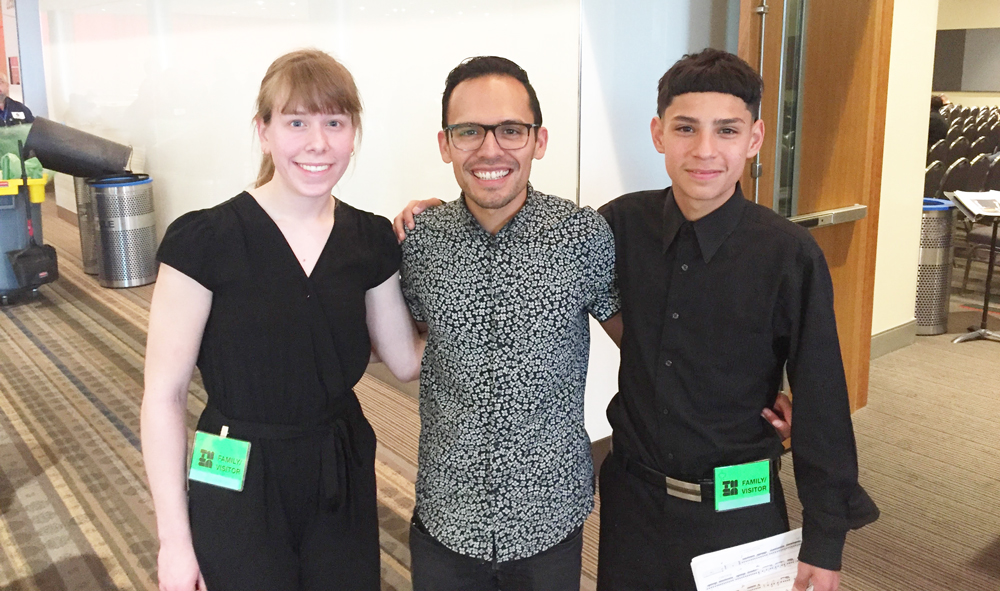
(505, 469)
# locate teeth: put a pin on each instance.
(491, 175)
(315, 167)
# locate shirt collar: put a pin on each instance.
(711, 230)
(520, 220)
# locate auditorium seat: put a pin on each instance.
(993, 178)
(980, 146)
(958, 149)
(979, 167)
(933, 175)
(956, 176)
(993, 135)
(954, 132)
(939, 151)
(979, 240)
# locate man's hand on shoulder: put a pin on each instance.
(404, 220)
(821, 579)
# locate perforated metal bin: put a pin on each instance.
(89, 247)
(934, 269)
(126, 230)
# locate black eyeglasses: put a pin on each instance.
(468, 137)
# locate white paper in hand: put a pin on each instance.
(765, 565)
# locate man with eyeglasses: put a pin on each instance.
(504, 278)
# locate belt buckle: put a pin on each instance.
(683, 490)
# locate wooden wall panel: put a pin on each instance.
(843, 105)
(846, 75)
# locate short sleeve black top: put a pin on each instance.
(260, 353)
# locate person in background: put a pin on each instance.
(938, 128)
(719, 296)
(14, 112)
(279, 296)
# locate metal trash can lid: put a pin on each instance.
(937, 204)
(119, 180)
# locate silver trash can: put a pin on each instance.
(126, 229)
(89, 251)
(934, 268)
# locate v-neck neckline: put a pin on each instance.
(288, 247)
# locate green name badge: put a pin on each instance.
(741, 486)
(219, 461)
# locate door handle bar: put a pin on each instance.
(830, 217)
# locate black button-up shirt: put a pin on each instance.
(504, 467)
(713, 310)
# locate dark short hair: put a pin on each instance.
(936, 102)
(711, 70)
(488, 65)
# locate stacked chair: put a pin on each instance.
(956, 177)
(958, 149)
(968, 159)
(938, 152)
(962, 161)
(933, 175)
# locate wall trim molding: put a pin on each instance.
(894, 339)
(67, 216)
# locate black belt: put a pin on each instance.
(337, 449)
(700, 491)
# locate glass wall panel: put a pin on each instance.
(177, 79)
(789, 108)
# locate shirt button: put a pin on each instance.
(668, 363)
(675, 315)
(666, 412)
(670, 456)
(684, 267)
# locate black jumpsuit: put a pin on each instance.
(279, 357)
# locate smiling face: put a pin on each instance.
(311, 151)
(493, 180)
(706, 139)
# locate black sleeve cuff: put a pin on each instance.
(821, 548)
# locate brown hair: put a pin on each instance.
(311, 80)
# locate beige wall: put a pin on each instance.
(961, 14)
(970, 14)
(911, 65)
(975, 99)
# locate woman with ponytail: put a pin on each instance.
(279, 296)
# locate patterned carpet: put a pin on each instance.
(75, 512)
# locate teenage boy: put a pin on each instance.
(719, 295)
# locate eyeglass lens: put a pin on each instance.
(509, 136)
